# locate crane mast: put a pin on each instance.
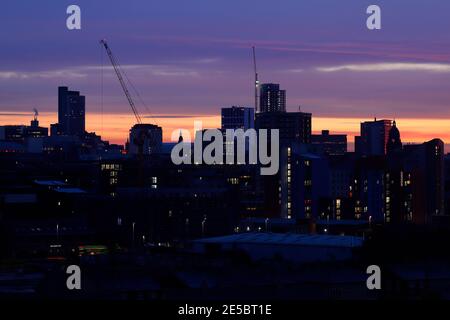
(256, 80)
(121, 80)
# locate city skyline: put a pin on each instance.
(334, 68)
(116, 127)
(185, 153)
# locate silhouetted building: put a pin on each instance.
(271, 98)
(303, 181)
(294, 130)
(294, 127)
(12, 133)
(424, 165)
(34, 130)
(238, 118)
(341, 174)
(397, 192)
(367, 191)
(394, 142)
(330, 144)
(447, 183)
(145, 139)
(71, 112)
(55, 129)
(21, 138)
(373, 138)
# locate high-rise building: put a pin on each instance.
(394, 142)
(145, 139)
(71, 112)
(424, 174)
(397, 195)
(447, 183)
(341, 174)
(271, 98)
(374, 138)
(294, 127)
(367, 189)
(238, 118)
(294, 130)
(330, 144)
(303, 180)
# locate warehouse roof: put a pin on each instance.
(286, 239)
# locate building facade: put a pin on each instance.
(238, 118)
(271, 98)
(329, 144)
(71, 112)
(374, 138)
(145, 139)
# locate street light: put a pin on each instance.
(132, 239)
(203, 226)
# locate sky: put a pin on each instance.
(187, 59)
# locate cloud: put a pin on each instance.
(14, 114)
(85, 71)
(46, 74)
(389, 66)
(155, 70)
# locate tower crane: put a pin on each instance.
(121, 80)
(139, 140)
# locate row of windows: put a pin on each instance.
(106, 166)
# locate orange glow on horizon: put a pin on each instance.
(115, 127)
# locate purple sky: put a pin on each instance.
(194, 56)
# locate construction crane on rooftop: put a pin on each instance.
(256, 80)
(116, 67)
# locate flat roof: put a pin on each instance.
(287, 239)
(283, 221)
(69, 190)
(50, 183)
(344, 222)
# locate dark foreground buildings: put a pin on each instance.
(72, 197)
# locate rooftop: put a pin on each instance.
(287, 239)
(50, 183)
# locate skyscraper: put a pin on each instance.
(71, 112)
(238, 118)
(374, 138)
(294, 130)
(294, 127)
(424, 164)
(271, 98)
